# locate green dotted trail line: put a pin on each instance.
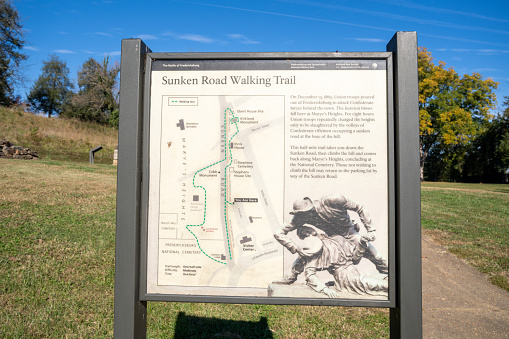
(226, 202)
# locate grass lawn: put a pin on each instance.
(57, 244)
(471, 221)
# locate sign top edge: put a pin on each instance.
(271, 55)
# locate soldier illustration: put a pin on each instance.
(334, 254)
(330, 214)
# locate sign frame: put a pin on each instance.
(268, 58)
(404, 189)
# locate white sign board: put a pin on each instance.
(268, 178)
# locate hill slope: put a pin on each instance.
(56, 138)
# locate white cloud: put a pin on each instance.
(191, 37)
(479, 70)
(408, 4)
(243, 39)
(475, 50)
(64, 51)
(103, 34)
(115, 53)
(146, 37)
(30, 48)
(298, 17)
(368, 40)
(389, 15)
(196, 38)
(480, 42)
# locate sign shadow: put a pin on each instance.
(188, 326)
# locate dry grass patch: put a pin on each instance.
(56, 138)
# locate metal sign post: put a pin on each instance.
(130, 320)
(406, 317)
(91, 154)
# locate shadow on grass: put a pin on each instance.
(199, 327)
(505, 190)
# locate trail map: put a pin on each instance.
(223, 215)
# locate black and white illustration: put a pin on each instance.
(330, 241)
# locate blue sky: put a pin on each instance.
(470, 36)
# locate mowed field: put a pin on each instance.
(57, 243)
(472, 222)
(57, 260)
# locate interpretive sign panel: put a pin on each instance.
(270, 178)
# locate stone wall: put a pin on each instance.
(10, 151)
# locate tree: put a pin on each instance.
(11, 44)
(452, 111)
(488, 158)
(97, 98)
(114, 118)
(52, 91)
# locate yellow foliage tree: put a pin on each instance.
(452, 109)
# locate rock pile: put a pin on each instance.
(10, 151)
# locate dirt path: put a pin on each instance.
(458, 301)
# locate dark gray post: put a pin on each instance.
(130, 313)
(91, 154)
(406, 318)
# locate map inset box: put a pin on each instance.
(182, 101)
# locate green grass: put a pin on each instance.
(57, 241)
(184, 320)
(472, 222)
(496, 188)
(56, 249)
